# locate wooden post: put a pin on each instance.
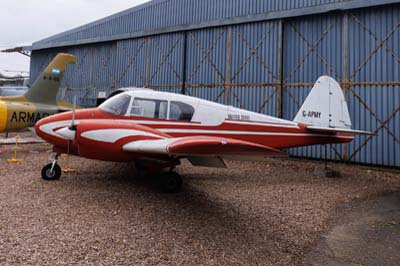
(148, 54)
(279, 87)
(184, 63)
(91, 60)
(345, 81)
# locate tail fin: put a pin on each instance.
(45, 88)
(325, 106)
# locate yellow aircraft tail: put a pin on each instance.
(45, 88)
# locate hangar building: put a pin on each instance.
(262, 55)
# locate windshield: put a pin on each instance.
(117, 105)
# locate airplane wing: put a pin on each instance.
(200, 146)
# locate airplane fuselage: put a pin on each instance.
(94, 125)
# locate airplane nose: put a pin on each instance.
(67, 133)
(38, 125)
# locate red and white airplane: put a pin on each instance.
(156, 130)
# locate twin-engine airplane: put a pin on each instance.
(156, 130)
(21, 112)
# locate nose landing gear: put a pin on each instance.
(52, 171)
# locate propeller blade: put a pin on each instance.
(73, 125)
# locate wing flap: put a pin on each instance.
(214, 162)
(200, 146)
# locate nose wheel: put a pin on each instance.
(52, 171)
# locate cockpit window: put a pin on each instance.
(117, 105)
(149, 108)
(181, 111)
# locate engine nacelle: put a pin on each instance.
(104, 140)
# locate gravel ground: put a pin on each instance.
(264, 213)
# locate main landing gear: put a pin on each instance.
(52, 171)
(169, 181)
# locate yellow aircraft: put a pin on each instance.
(21, 112)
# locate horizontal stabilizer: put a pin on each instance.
(340, 130)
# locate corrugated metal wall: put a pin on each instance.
(206, 63)
(267, 67)
(167, 13)
(165, 62)
(254, 73)
(130, 69)
(374, 84)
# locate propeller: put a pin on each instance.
(73, 125)
(69, 132)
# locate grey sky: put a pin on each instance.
(27, 21)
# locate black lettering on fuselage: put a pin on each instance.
(31, 118)
(312, 114)
(22, 116)
(44, 115)
(14, 117)
(27, 117)
(238, 117)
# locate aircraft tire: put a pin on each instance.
(171, 182)
(141, 171)
(48, 175)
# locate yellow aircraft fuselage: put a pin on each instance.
(18, 113)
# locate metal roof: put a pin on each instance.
(165, 16)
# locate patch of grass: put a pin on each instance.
(390, 225)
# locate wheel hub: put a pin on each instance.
(50, 173)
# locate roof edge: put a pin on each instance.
(273, 15)
(102, 20)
